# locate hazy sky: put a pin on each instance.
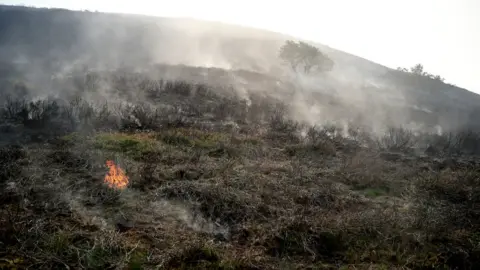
(443, 35)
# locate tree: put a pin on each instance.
(438, 78)
(418, 70)
(303, 56)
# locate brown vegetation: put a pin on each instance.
(214, 186)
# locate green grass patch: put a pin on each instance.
(193, 138)
(132, 145)
(374, 192)
(68, 140)
(98, 258)
(58, 243)
(72, 137)
(137, 260)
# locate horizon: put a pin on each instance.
(441, 36)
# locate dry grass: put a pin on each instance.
(252, 196)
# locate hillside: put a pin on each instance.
(53, 41)
(132, 142)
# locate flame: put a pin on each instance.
(116, 177)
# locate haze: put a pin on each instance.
(443, 35)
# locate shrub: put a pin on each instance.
(12, 108)
(397, 139)
(461, 142)
(33, 114)
(183, 88)
(139, 117)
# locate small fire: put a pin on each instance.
(116, 177)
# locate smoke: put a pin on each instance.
(132, 206)
(89, 216)
(356, 93)
(356, 90)
(193, 220)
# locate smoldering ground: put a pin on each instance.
(232, 164)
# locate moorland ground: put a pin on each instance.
(216, 182)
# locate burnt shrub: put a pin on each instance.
(12, 108)
(85, 115)
(179, 87)
(203, 91)
(465, 142)
(282, 129)
(138, 117)
(397, 139)
(33, 114)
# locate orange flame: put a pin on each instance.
(116, 177)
